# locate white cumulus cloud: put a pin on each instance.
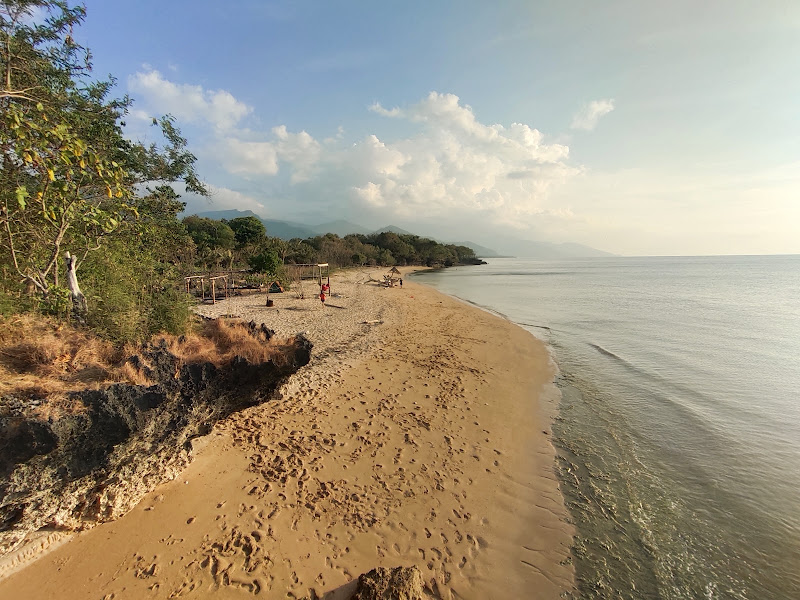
(251, 153)
(450, 163)
(187, 102)
(456, 164)
(248, 158)
(588, 116)
(300, 150)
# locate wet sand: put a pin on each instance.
(419, 435)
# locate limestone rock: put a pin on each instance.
(81, 469)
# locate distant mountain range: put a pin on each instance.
(549, 250)
(285, 230)
(480, 251)
(341, 228)
(511, 247)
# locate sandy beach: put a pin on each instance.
(418, 435)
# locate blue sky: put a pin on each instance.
(635, 127)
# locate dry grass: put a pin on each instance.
(45, 360)
(220, 340)
(39, 358)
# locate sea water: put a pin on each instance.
(678, 436)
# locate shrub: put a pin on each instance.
(169, 312)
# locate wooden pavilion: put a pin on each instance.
(214, 281)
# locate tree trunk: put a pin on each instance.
(80, 310)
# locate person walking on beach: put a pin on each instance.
(401, 282)
(322, 298)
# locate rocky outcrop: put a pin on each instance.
(400, 583)
(80, 469)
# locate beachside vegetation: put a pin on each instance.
(72, 182)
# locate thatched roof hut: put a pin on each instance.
(392, 277)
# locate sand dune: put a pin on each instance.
(418, 436)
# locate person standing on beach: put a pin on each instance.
(322, 298)
(401, 282)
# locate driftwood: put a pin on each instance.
(80, 310)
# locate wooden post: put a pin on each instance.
(213, 292)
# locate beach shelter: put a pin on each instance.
(392, 277)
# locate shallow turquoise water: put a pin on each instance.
(679, 428)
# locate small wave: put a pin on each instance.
(602, 350)
(482, 307)
(545, 327)
(675, 396)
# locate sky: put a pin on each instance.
(636, 127)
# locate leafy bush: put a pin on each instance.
(57, 302)
(169, 312)
(266, 262)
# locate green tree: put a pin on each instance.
(39, 62)
(281, 247)
(131, 286)
(214, 239)
(69, 176)
(267, 262)
(301, 252)
(56, 189)
(385, 258)
(247, 230)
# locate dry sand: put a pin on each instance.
(422, 440)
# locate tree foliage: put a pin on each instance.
(214, 240)
(247, 230)
(68, 174)
(385, 249)
(267, 262)
(40, 61)
(69, 178)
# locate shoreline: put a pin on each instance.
(389, 449)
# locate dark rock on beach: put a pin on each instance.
(80, 469)
(400, 583)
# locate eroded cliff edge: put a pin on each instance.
(72, 471)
